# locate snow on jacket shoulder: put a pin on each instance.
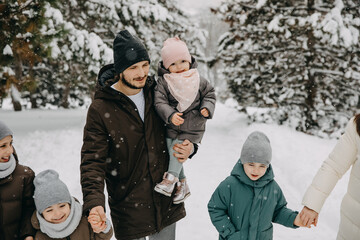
(344, 156)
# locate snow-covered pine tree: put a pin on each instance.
(21, 45)
(86, 32)
(295, 61)
(76, 53)
(156, 20)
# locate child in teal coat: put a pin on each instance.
(246, 203)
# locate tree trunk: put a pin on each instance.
(15, 95)
(65, 96)
(33, 102)
(310, 85)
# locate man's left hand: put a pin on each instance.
(183, 150)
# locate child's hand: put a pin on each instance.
(204, 112)
(97, 219)
(176, 119)
(96, 223)
(309, 217)
(298, 222)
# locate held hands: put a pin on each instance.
(176, 119)
(298, 222)
(308, 217)
(204, 112)
(97, 219)
(183, 150)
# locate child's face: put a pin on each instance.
(6, 149)
(254, 170)
(57, 213)
(179, 66)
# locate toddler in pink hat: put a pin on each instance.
(184, 100)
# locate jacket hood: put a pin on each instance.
(162, 70)
(239, 173)
(106, 75)
(106, 78)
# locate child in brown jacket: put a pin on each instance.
(16, 191)
(58, 215)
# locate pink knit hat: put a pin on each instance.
(173, 50)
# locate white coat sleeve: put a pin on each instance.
(333, 168)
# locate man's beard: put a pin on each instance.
(128, 84)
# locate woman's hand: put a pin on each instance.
(308, 217)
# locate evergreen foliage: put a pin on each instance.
(76, 36)
(22, 45)
(298, 61)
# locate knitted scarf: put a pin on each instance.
(7, 168)
(184, 87)
(64, 229)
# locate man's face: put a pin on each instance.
(135, 76)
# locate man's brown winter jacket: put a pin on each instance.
(131, 155)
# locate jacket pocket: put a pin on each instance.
(266, 234)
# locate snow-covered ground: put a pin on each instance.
(53, 139)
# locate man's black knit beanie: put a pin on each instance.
(128, 50)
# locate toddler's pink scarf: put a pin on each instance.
(184, 87)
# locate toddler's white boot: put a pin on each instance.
(182, 192)
(167, 185)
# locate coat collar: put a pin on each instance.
(239, 173)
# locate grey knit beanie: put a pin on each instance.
(49, 190)
(4, 130)
(256, 149)
(128, 50)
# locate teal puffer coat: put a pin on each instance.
(244, 209)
